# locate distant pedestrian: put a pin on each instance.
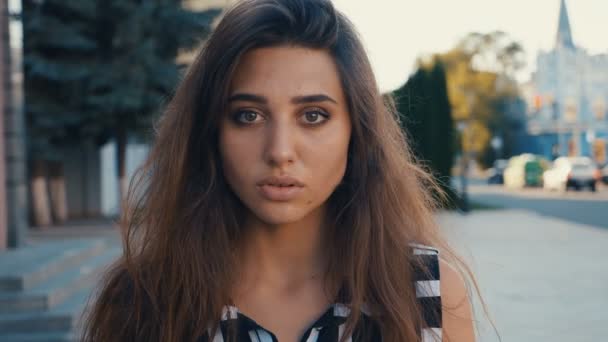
(280, 201)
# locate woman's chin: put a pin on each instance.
(280, 215)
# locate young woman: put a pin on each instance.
(280, 201)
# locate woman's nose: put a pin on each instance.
(280, 143)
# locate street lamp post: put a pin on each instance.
(497, 144)
(463, 127)
(464, 168)
(14, 123)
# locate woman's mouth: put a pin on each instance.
(281, 188)
(279, 193)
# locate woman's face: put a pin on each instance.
(285, 133)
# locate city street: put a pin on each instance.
(543, 279)
(575, 206)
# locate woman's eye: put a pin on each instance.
(315, 117)
(246, 116)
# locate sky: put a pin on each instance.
(396, 32)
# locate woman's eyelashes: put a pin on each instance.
(246, 117)
(314, 116)
(310, 117)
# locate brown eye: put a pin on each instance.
(315, 117)
(246, 117)
(249, 116)
(312, 116)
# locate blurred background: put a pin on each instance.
(506, 102)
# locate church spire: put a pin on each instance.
(564, 35)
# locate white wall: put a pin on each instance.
(109, 196)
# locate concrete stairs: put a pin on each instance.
(44, 287)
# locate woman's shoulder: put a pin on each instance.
(457, 322)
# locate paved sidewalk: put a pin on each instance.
(45, 284)
(543, 279)
(86, 228)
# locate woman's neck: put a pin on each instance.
(284, 257)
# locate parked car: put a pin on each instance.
(571, 172)
(496, 172)
(525, 170)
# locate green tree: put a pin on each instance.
(136, 64)
(59, 50)
(100, 69)
(57, 61)
(425, 116)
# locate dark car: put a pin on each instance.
(495, 173)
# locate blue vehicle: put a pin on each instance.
(496, 172)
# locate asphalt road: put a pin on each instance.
(576, 206)
(542, 278)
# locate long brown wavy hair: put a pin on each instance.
(181, 221)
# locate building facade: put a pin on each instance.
(569, 99)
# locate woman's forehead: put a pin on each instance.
(287, 70)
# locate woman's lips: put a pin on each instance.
(279, 193)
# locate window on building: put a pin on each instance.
(599, 109)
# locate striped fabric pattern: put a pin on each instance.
(330, 326)
(428, 291)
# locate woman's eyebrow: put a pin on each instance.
(312, 98)
(248, 98)
(296, 100)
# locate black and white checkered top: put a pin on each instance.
(330, 326)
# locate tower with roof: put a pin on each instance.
(568, 111)
(564, 34)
